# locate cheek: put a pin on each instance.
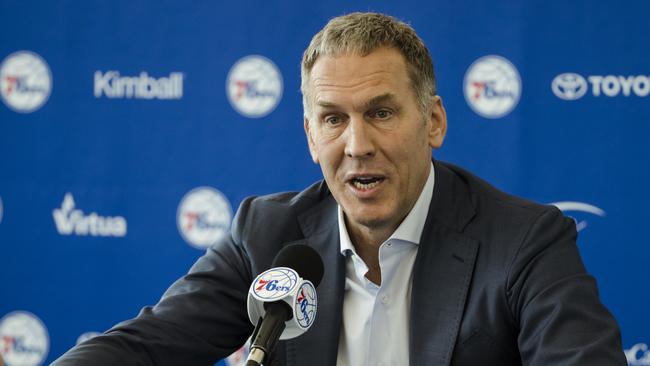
(418, 142)
(406, 146)
(329, 156)
(409, 152)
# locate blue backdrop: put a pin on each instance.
(130, 132)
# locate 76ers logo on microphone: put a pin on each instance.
(305, 306)
(275, 284)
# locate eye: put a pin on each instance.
(332, 120)
(381, 114)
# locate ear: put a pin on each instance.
(310, 141)
(438, 119)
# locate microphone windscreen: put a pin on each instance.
(302, 259)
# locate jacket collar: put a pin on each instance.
(319, 346)
(441, 276)
(442, 271)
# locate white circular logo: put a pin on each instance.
(569, 86)
(25, 81)
(23, 339)
(638, 355)
(492, 86)
(254, 86)
(203, 217)
(274, 284)
(305, 307)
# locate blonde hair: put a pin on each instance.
(362, 33)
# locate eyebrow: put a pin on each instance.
(380, 99)
(388, 97)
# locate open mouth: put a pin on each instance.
(365, 183)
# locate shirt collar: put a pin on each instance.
(410, 229)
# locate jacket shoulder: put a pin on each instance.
(263, 224)
(286, 202)
(497, 204)
(507, 225)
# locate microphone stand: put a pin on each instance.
(267, 332)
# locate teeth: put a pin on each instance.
(364, 186)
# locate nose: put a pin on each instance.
(359, 142)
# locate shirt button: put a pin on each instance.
(384, 299)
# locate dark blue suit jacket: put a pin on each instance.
(497, 281)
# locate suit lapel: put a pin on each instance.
(442, 272)
(319, 346)
(441, 277)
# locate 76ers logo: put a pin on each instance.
(254, 86)
(23, 339)
(25, 81)
(203, 217)
(271, 285)
(275, 283)
(305, 306)
(492, 86)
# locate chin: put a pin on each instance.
(370, 221)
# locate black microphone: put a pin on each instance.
(282, 300)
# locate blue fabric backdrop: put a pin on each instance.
(130, 130)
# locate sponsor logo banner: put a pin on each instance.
(571, 86)
(111, 84)
(72, 221)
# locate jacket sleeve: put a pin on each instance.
(556, 303)
(200, 319)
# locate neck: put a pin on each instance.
(368, 237)
(367, 241)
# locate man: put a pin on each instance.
(425, 264)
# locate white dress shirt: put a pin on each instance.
(375, 329)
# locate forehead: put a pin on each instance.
(381, 71)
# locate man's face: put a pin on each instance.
(372, 142)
